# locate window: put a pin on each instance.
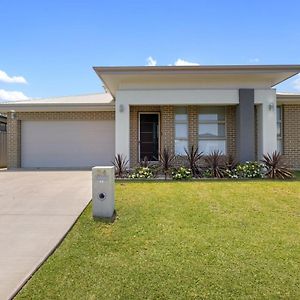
(279, 129)
(2, 126)
(181, 130)
(211, 122)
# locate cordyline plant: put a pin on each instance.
(215, 164)
(120, 164)
(193, 157)
(230, 163)
(144, 163)
(276, 169)
(166, 160)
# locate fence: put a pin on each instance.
(3, 149)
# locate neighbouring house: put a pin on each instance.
(3, 141)
(234, 109)
(3, 122)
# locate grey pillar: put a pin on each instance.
(245, 126)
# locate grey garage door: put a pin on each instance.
(67, 144)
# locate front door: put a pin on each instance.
(149, 136)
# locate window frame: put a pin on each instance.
(217, 122)
(178, 122)
(280, 122)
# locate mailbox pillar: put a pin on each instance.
(103, 186)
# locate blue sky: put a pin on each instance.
(54, 44)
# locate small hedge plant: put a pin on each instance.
(182, 173)
(142, 173)
(249, 169)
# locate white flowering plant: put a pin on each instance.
(249, 169)
(142, 173)
(182, 173)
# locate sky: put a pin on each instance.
(48, 48)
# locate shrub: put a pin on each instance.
(145, 162)
(142, 173)
(193, 158)
(182, 173)
(275, 168)
(230, 162)
(215, 164)
(120, 163)
(166, 160)
(249, 169)
(207, 174)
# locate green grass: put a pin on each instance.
(182, 240)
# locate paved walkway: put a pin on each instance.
(37, 208)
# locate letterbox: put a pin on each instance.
(103, 186)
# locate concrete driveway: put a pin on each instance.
(37, 208)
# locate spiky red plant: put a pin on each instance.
(215, 164)
(120, 164)
(276, 169)
(193, 157)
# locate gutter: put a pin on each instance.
(26, 107)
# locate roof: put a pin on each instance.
(287, 95)
(288, 98)
(89, 102)
(231, 76)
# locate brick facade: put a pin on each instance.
(291, 134)
(167, 128)
(231, 129)
(14, 128)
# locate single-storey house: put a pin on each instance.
(234, 109)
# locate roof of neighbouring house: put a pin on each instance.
(233, 76)
(288, 98)
(90, 102)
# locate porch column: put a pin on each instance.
(245, 126)
(266, 126)
(122, 130)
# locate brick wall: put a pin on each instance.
(14, 128)
(13, 143)
(231, 129)
(291, 134)
(167, 128)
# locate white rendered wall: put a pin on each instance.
(266, 121)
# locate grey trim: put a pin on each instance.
(245, 126)
(22, 107)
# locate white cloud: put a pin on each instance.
(4, 77)
(296, 83)
(11, 96)
(254, 60)
(182, 62)
(151, 61)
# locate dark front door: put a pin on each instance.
(149, 136)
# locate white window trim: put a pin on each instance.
(216, 138)
(280, 137)
(181, 122)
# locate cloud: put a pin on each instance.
(11, 79)
(11, 96)
(254, 60)
(151, 61)
(296, 83)
(182, 62)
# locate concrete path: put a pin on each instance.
(37, 208)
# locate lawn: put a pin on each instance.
(182, 240)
